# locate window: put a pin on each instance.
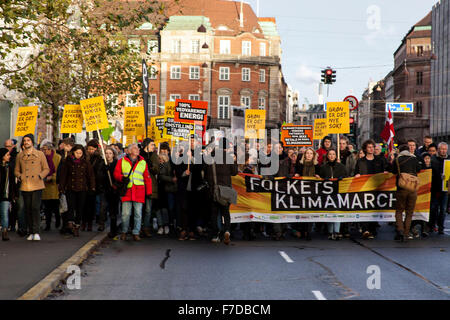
(224, 107)
(419, 108)
(194, 97)
(246, 48)
(152, 46)
(245, 74)
(134, 44)
(225, 46)
(175, 72)
(152, 104)
(246, 101)
(130, 102)
(261, 103)
(420, 51)
(419, 81)
(262, 75)
(224, 73)
(195, 46)
(153, 73)
(176, 46)
(174, 97)
(262, 49)
(194, 73)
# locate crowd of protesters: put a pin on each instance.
(140, 190)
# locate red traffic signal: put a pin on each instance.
(329, 72)
(352, 120)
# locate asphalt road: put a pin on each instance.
(264, 269)
(24, 263)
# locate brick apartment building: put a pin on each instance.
(216, 51)
(412, 81)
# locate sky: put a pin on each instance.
(341, 34)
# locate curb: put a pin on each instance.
(44, 287)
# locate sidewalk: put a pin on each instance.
(24, 263)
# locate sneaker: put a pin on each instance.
(30, 237)
(136, 237)
(409, 237)
(216, 239)
(366, 235)
(160, 231)
(36, 237)
(371, 236)
(226, 238)
(192, 236)
(166, 230)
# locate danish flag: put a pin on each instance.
(388, 131)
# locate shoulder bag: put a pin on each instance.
(223, 195)
(407, 181)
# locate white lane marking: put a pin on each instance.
(286, 257)
(319, 295)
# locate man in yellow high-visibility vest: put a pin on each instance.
(133, 170)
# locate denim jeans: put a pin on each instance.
(438, 210)
(126, 213)
(163, 217)
(333, 227)
(4, 208)
(147, 213)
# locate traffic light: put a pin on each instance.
(328, 76)
(353, 128)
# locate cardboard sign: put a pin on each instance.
(191, 112)
(297, 136)
(26, 121)
(169, 109)
(72, 120)
(94, 114)
(446, 179)
(338, 115)
(178, 130)
(255, 124)
(134, 124)
(320, 128)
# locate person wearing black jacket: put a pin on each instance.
(182, 173)
(331, 169)
(307, 166)
(112, 199)
(222, 173)
(148, 152)
(439, 198)
(98, 164)
(369, 164)
(17, 212)
(8, 190)
(406, 200)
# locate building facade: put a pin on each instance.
(412, 81)
(219, 52)
(440, 77)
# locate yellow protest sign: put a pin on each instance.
(320, 128)
(94, 114)
(338, 115)
(255, 124)
(446, 179)
(134, 124)
(169, 109)
(26, 121)
(72, 120)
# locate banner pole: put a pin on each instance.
(338, 149)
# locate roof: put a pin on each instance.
(269, 27)
(220, 13)
(421, 29)
(187, 23)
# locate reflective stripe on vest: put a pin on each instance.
(137, 176)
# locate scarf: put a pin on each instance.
(51, 165)
(75, 160)
(308, 169)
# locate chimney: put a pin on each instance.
(241, 17)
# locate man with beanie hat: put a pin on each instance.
(31, 169)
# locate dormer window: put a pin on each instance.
(222, 28)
